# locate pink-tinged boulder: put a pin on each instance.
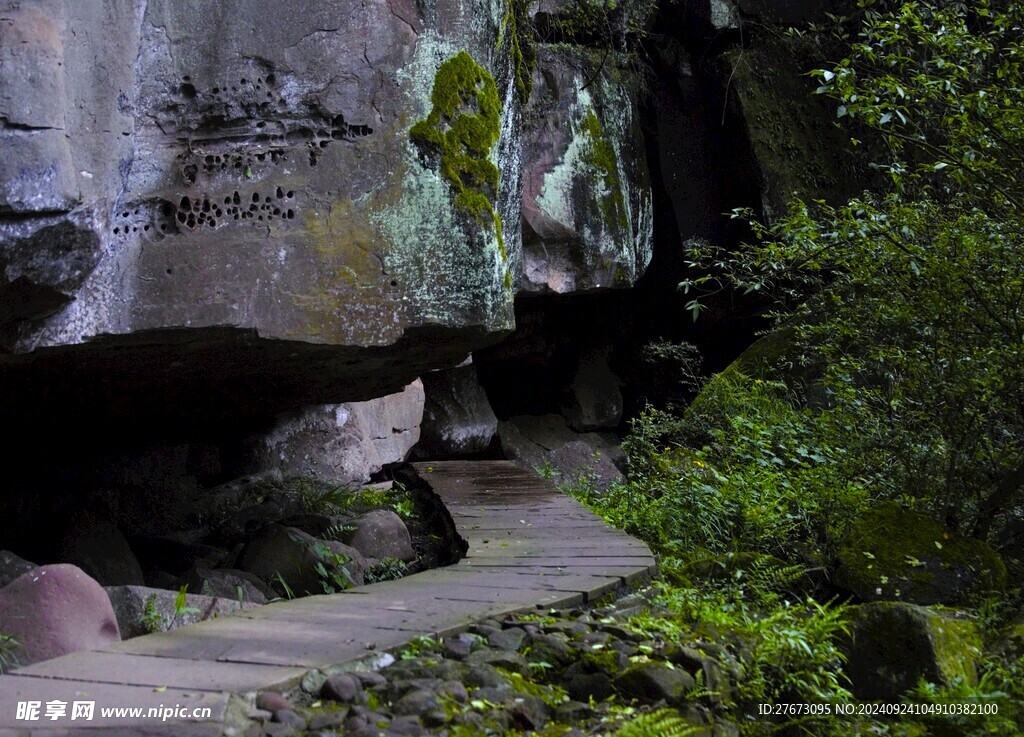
(55, 610)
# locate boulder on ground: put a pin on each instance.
(55, 610)
(342, 443)
(593, 401)
(12, 566)
(97, 546)
(892, 646)
(381, 534)
(288, 557)
(546, 444)
(893, 553)
(141, 610)
(457, 416)
(227, 583)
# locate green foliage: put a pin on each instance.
(418, 647)
(8, 652)
(658, 723)
(912, 300)
(517, 30)
(152, 619)
(387, 569)
(462, 127)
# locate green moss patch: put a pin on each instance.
(462, 128)
(894, 553)
(601, 156)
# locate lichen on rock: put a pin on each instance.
(462, 128)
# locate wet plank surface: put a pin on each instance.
(529, 547)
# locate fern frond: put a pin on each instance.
(659, 723)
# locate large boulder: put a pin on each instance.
(210, 210)
(893, 645)
(593, 400)
(587, 203)
(894, 553)
(227, 583)
(381, 534)
(546, 444)
(98, 547)
(457, 417)
(287, 559)
(342, 443)
(54, 610)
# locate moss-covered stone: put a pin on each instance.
(894, 553)
(893, 645)
(462, 128)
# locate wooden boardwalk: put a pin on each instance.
(530, 547)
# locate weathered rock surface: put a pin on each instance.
(226, 583)
(55, 610)
(141, 610)
(593, 401)
(457, 417)
(546, 443)
(342, 443)
(893, 645)
(894, 553)
(230, 197)
(381, 534)
(587, 217)
(289, 554)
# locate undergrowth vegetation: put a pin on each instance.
(901, 319)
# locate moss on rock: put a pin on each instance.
(462, 128)
(894, 553)
(893, 645)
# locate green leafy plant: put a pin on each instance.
(387, 569)
(8, 652)
(658, 723)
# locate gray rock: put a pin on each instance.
(504, 659)
(272, 702)
(587, 204)
(342, 443)
(141, 610)
(546, 443)
(54, 610)
(583, 682)
(381, 534)
(417, 702)
(228, 584)
(457, 416)
(291, 555)
(594, 401)
(97, 547)
(656, 682)
(13, 566)
(508, 639)
(893, 645)
(344, 688)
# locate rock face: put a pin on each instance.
(457, 417)
(587, 217)
(893, 553)
(232, 198)
(55, 610)
(12, 566)
(343, 443)
(894, 645)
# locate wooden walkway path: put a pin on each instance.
(530, 547)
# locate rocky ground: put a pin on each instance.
(572, 672)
